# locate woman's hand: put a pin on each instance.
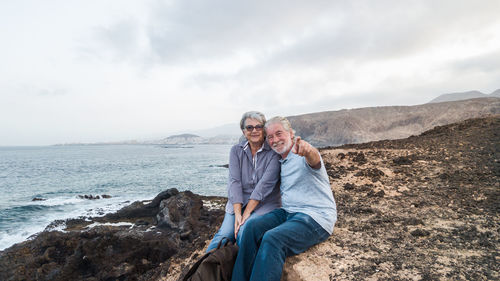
(237, 223)
(248, 211)
(237, 218)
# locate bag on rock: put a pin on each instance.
(216, 265)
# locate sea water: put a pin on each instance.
(60, 175)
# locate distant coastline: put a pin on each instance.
(182, 139)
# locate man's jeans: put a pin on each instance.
(269, 239)
(227, 230)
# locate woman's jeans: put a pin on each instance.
(269, 239)
(227, 230)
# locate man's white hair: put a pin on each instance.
(281, 120)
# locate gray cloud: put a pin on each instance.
(293, 32)
(309, 32)
(202, 30)
(122, 36)
(377, 30)
(119, 41)
(485, 63)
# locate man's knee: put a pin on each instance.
(247, 231)
(272, 237)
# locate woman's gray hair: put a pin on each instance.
(283, 121)
(259, 116)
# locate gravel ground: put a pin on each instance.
(421, 208)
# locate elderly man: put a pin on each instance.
(307, 216)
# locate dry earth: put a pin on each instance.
(422, 208)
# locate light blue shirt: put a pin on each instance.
(307, 190)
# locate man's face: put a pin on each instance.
(279, 139)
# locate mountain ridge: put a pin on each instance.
(464, 95)
(331, 128)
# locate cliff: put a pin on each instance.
(421, 208)
(387, 122)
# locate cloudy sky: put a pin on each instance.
(94, 70)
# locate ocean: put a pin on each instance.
(60, 175)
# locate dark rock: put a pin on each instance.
(220, 166)
(444, 176)
(372, 193)
(55, 224)
(349, 186)
(180, 212)
(366, 187)
(114, 252)
(89, 196)
(106, 196)
(413, 221)
(141, 222)
(373, 173)
(163, 195)
(38, 199)
(358, 157)
(420, 232)
(402, 161)
(335, 172)
(140, 210)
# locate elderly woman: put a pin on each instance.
(254, 172)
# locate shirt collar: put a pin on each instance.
(244, 144)
(289, 156)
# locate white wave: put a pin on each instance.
(67, 208)
(110, 224)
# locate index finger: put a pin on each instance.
(295, 147)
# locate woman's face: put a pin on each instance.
(254, 131)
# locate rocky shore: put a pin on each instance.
(422, 208)
(143, 241)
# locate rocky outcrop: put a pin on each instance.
(94, 197)
(140, 242)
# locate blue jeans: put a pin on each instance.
(227, 230)
(269, 239)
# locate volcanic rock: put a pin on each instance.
(139, 242)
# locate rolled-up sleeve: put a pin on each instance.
(269, 179)
(234, 188)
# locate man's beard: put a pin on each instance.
(285, 146)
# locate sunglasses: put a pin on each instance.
(256, 127)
